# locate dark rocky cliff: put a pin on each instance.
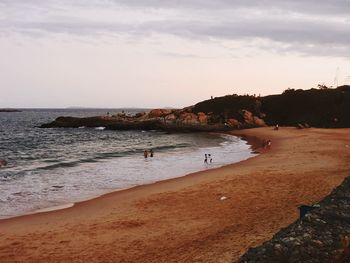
(323, 235)
(317, 107)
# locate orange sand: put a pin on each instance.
(183, 219)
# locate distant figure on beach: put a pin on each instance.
(276, 127)
(3, 163)
(151, 153)
(269, 144)
(205, 158)
(145, 154)
(210, 159)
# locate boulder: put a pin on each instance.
(259, 122)
(140, 114)
(157, 113)
(189, 118)
(233, 123)
(120, 115)
(202, 118)
(3, 163)
(170, 117)
(248, 117)
(250, 120)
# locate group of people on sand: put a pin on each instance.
(207, 158)
(147, 153)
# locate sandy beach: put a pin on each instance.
(184, 219)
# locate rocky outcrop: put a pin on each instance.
(322, 235)
(188, 118)
(251, 120)
(248, 121)
(164, 119)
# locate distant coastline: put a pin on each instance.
(9, 110)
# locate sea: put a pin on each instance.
(57, 167)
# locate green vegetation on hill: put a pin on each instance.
(322, 107)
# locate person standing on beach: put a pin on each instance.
(269, 144)
(210, 159)
(205, 158)
(145, 154)
(151, 153)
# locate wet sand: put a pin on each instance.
(183, 219)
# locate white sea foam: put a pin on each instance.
(91, 179)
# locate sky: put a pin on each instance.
(167, 53)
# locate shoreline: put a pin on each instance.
(249, 141)
(183, 219)
(52, 208)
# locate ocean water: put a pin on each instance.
(53, 167)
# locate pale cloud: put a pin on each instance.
(109, 53)
(301, 6)
(303, 26)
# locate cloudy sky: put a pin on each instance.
(156, 53)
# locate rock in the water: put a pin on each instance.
(3, 163)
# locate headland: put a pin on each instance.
(321, 108)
